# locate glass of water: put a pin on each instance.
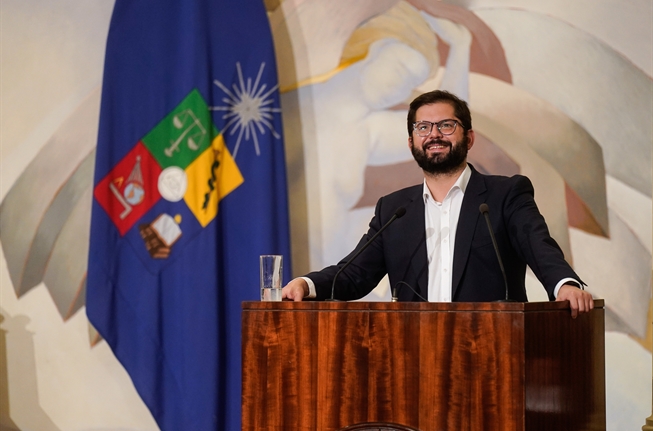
(271, 270)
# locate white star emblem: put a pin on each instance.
(248, 109)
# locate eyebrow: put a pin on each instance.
(436, 122)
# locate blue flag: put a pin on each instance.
(190, 188)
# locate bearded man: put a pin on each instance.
(441, 250)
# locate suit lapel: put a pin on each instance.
(415, 241)
(469, 214)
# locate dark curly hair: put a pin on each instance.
(460, 108)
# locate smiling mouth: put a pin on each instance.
(436, 145)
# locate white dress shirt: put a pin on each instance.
(441, 222)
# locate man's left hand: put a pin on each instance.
(580, 301)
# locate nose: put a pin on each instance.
(435, 131)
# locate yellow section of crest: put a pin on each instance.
(211, 177)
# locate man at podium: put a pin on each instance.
(459, 236)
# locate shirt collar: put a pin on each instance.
(461, 183)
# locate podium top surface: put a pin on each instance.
(411, 306)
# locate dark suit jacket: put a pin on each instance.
(400, 251)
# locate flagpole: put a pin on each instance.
(649, 420)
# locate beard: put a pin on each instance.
(441, 163)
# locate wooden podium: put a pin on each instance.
(431, 366)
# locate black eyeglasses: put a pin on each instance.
(446, 127)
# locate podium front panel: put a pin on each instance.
(457, 366)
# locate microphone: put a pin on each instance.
(485, 210)
(394, 292)
(398, 214)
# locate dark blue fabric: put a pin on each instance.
(174, 323)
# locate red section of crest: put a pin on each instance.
(130, 189)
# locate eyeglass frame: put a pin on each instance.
(456, 122)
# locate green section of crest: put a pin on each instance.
(183, 134)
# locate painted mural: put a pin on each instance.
(559, 91)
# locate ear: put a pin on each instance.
(471, 136)
(410, 142)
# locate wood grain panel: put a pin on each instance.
(470, 371)
(393, 368)
(342, 357)
(460, 366)
(281, 351)
(565, 371)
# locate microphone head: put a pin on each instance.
(400, 212)
(483, 208)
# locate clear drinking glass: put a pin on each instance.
(271, 270)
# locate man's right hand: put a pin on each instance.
(296, 290)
